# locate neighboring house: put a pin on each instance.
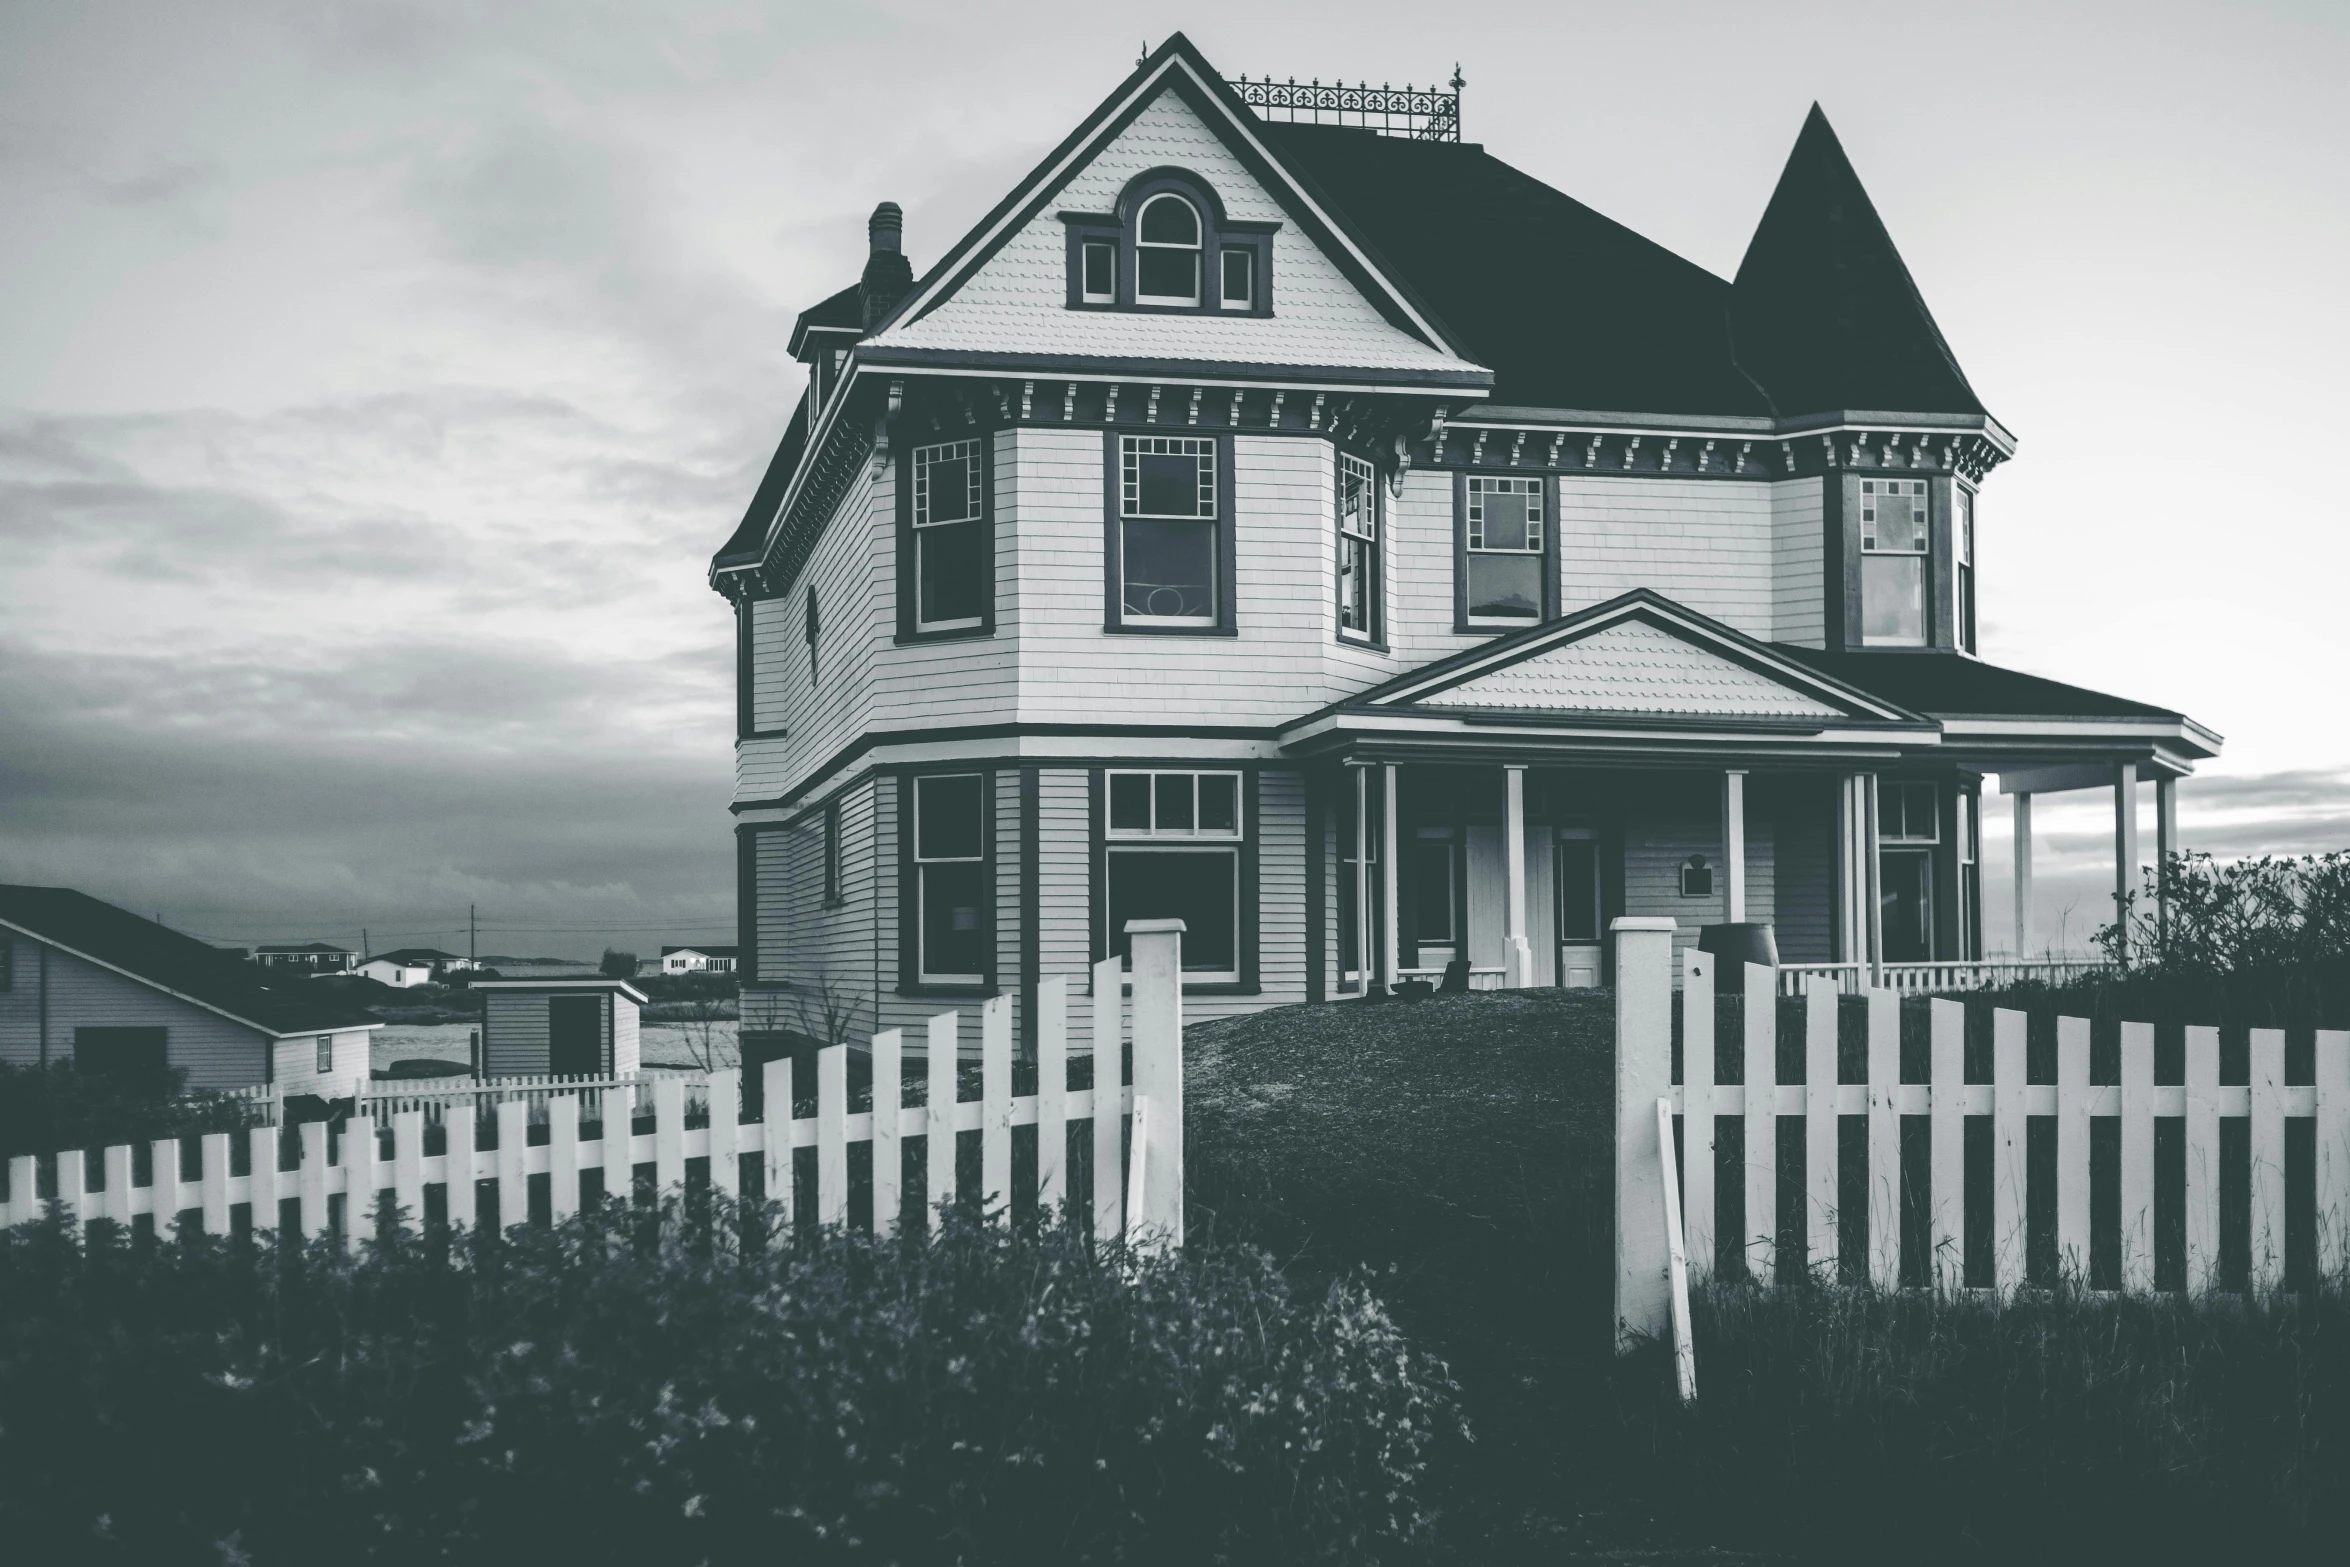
(396, 972)
(1355, 547)
(698, 960)
(319, 956)
(430, 957)
(84, 981)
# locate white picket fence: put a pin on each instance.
(1137, 1183)
(1926, 979)
(1644, 1165)
(386, 1101)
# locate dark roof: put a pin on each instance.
(165, 958)
(1568, 308)
(844, 311)
(705, 951)
(418, 955)
(1827, 315)
(1943, 685)
(750, 535)
(300, 946)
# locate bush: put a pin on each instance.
(2247, 943)
(46, 1108)
(592, 1392)
(618, 964)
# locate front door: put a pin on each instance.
(1578, 908)
(1906, 903)
(575, 1036)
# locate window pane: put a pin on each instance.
(947, 818)
(1166, 274)
(1900, 520)
(1505, 524)
(1130, 802)
(1196, 886)
(1169, 220)
(1219, 803)
(1173, 791)
(1432, 892)
(1101, 270)
(1239, 271)
(1173, 484)
(1505, 585)
(1170, 569)
(954, 926)
(1356, 572)
(1906, 900)
(1892, 598)
(1578, 890)
(944, 488)
(952, 570)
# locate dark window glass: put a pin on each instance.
(951, 570)
(1240, 267)
(1505, 586)
(1169, 220)
(954, 927)
(947, 813)
(1578, 890)
(1219, 802)
(1130, 802)
(1174, 802)
(1101, 266)
(1196, 886)
(813, 628)
(1173, 484)
(1907, 903)
(1167, 274)
(1170, 569)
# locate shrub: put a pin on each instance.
(618, 964)
(601, 1392)
(2248, 943)
(46, 1108)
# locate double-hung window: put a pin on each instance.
(1172, 850)
(1358, 549)
(951, 925)
(1502, 560)
(1894, 540)
(1167, 245)
(1169, 534)
(1962, 546)
(952, 577)
(1098, 272)
(1240, 277)
(1908, 825)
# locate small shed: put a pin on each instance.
(564, 1027)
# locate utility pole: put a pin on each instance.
(470, 930)
(364, 952)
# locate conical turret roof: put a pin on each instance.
(1825, 312)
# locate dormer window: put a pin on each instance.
(1170, 246)
(1166, 253)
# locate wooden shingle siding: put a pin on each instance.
(1420, 539)
(1797, 614)
(1065, 887)
(623, 1035)
(1704, 543)
(215, 1051)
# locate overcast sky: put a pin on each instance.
(376, 380)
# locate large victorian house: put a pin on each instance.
(1334, 537)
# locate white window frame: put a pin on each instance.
(923, 459)
(1904, 792)
(1472, 542)
(1923, 555)
(1154, 838)
(1131, 449)
(1358, 537)
(922, 970)
(1197, 250)
(1247, 298)
(326, 1053)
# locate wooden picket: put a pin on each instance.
(342, 1177)
(2008, 1106)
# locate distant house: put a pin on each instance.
(698, 960)
(84, 981)
(431, 957)
(308, 954)
(397, 972)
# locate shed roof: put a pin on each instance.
(616, 986)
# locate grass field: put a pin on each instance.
(1459, 1149)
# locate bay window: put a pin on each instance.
(949, 902)
(946, 572)
(1169, 536)
(1174, 847)
(1895, 539)
(1504, 559)
(1358, 549)
(1962, 546)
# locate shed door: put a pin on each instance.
(575, 1036)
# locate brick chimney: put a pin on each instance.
(887, 277)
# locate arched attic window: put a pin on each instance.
(1170, 247)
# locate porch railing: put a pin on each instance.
(1481, 976)
(1926, 979)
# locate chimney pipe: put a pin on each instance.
(887, 227)
(888, 278)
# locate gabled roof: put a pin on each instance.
(301, 946)
(1827, 314)
(1639, 656)
(705, 951)
(420, 955)
(165, 960)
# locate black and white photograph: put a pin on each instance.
(1031, 784)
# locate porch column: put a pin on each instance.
(1390, 929)
(2125, 849)
(1517, 954)
(1849, 941)
(2166, 844)
(1872, 908)
(1734, 845)
(1362, 887)
(2023, 878)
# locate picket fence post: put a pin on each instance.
(1109, 1106)
(1644, 1075)
(1698, 1199)
(1158, 1074)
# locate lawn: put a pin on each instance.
(1459, 1149)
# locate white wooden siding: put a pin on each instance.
(516, 1042)
(1421, 534)
(1797, 557)
(1703, 543)
(215, 1051)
